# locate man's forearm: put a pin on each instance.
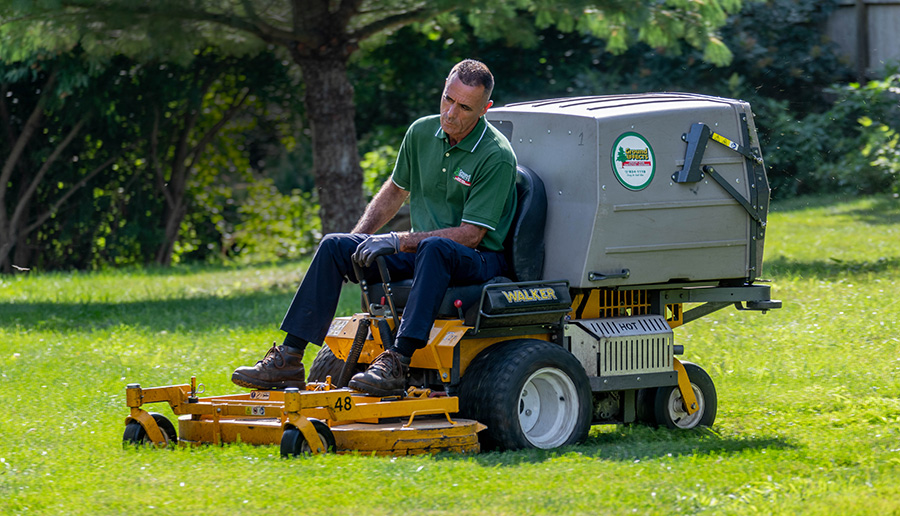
(468, 235)
(382, 208)
(385, 205)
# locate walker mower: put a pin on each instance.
(627, 213)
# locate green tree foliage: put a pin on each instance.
(55, 145)
(321, 35)
(782, 51)
(107, 195)
(182, 109)
(237, 211)
(852, 147)
(782, 64)
(106, 165)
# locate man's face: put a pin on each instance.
(461, 107)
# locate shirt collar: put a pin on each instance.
(471, 141)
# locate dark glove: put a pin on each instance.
(375, 246)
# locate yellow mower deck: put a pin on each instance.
(415, 424)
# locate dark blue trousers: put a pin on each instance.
(437, 264)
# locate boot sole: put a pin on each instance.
(375, 391)
(251, 383)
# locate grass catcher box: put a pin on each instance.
(645, 189)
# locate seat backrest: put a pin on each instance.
(524, 243)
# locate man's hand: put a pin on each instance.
(375, 246)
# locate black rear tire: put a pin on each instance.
(530, 394)
(324, 365)
(645, 407)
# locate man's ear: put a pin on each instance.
(487, 106)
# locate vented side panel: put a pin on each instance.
(631, 345)
(632, 355)
(622, 326)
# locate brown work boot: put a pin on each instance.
(279, 369)
(386, 375)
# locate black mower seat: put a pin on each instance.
(524, 247)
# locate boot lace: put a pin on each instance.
(274, 357)
(388, 363)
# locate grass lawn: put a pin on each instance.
(808, 422)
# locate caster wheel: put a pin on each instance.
(136, 435)
(293, 443)
(669, 406)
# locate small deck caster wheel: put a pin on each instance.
(293, 443)
(669, 404)
(136, 435)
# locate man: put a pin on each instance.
(459, 175)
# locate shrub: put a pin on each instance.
(852, 147)
(273, 225)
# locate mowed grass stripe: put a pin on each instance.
(809, 398)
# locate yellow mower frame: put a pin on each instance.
(318, 419)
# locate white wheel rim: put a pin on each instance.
(548, 408)
(146, 441)
(678, 413)
(306, 448)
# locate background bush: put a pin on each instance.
(849, 148)
(251, 196)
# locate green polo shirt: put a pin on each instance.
(473, 181)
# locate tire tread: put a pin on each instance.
(490, 387)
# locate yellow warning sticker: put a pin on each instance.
(724, 141)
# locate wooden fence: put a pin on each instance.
(868, 33)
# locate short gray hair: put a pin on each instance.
(474, 73)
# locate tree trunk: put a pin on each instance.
(8, 224)
(22, 251)
(176, 191)
(331, 111)
(173, 218)
(176, 203)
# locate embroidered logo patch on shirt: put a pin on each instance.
(463, 177)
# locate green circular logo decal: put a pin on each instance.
(633, 161)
